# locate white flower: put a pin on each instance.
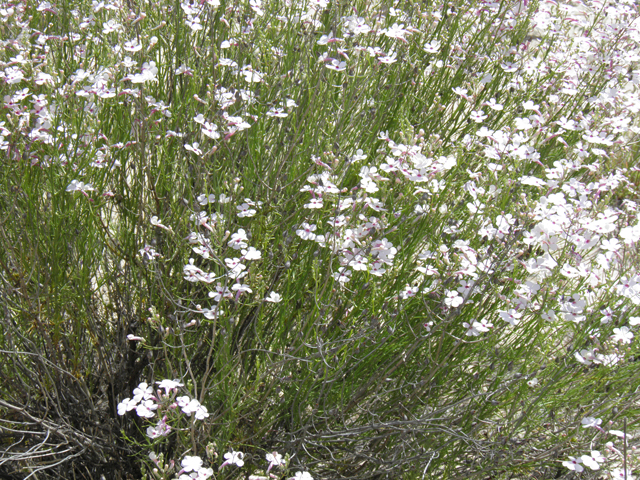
(212, 313)
(432, 47)
(244, 210)
(142, 392)
(220, 292)
(210, 130)
(591, 422)
(169, 385)
(146, 408)
(471, 330)
(204, 473)
(622, 334)
(251, 75)
(336, 65)
(453, 299)
(235, 268)
(593, 461)
(342, 275)
(273, 297)
(359, 263)
(160, 430)
(275, 460)
(132, 46)
(314, 203)
(191, 463)
(147, 74)
(241, 288)
(75, 185)
(477, 328)
(201, 412)
(251, 254)
(608, 360)
(183, 69)
(193, 148)
(126, 406)
(574, 464)
(512, 317)
(193, 406)
(302, 476)
(277, 112)
(305, 231)
(238, 240)
(205, 199)
(233, 458)
(585, 356)
(619, 473)
(110, 26)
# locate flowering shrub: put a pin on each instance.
(381, 238)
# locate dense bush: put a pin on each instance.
(384, 240)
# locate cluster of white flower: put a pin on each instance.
(595, 459)
(193, 469)
(146, 402)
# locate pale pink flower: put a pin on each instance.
(233, 458)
